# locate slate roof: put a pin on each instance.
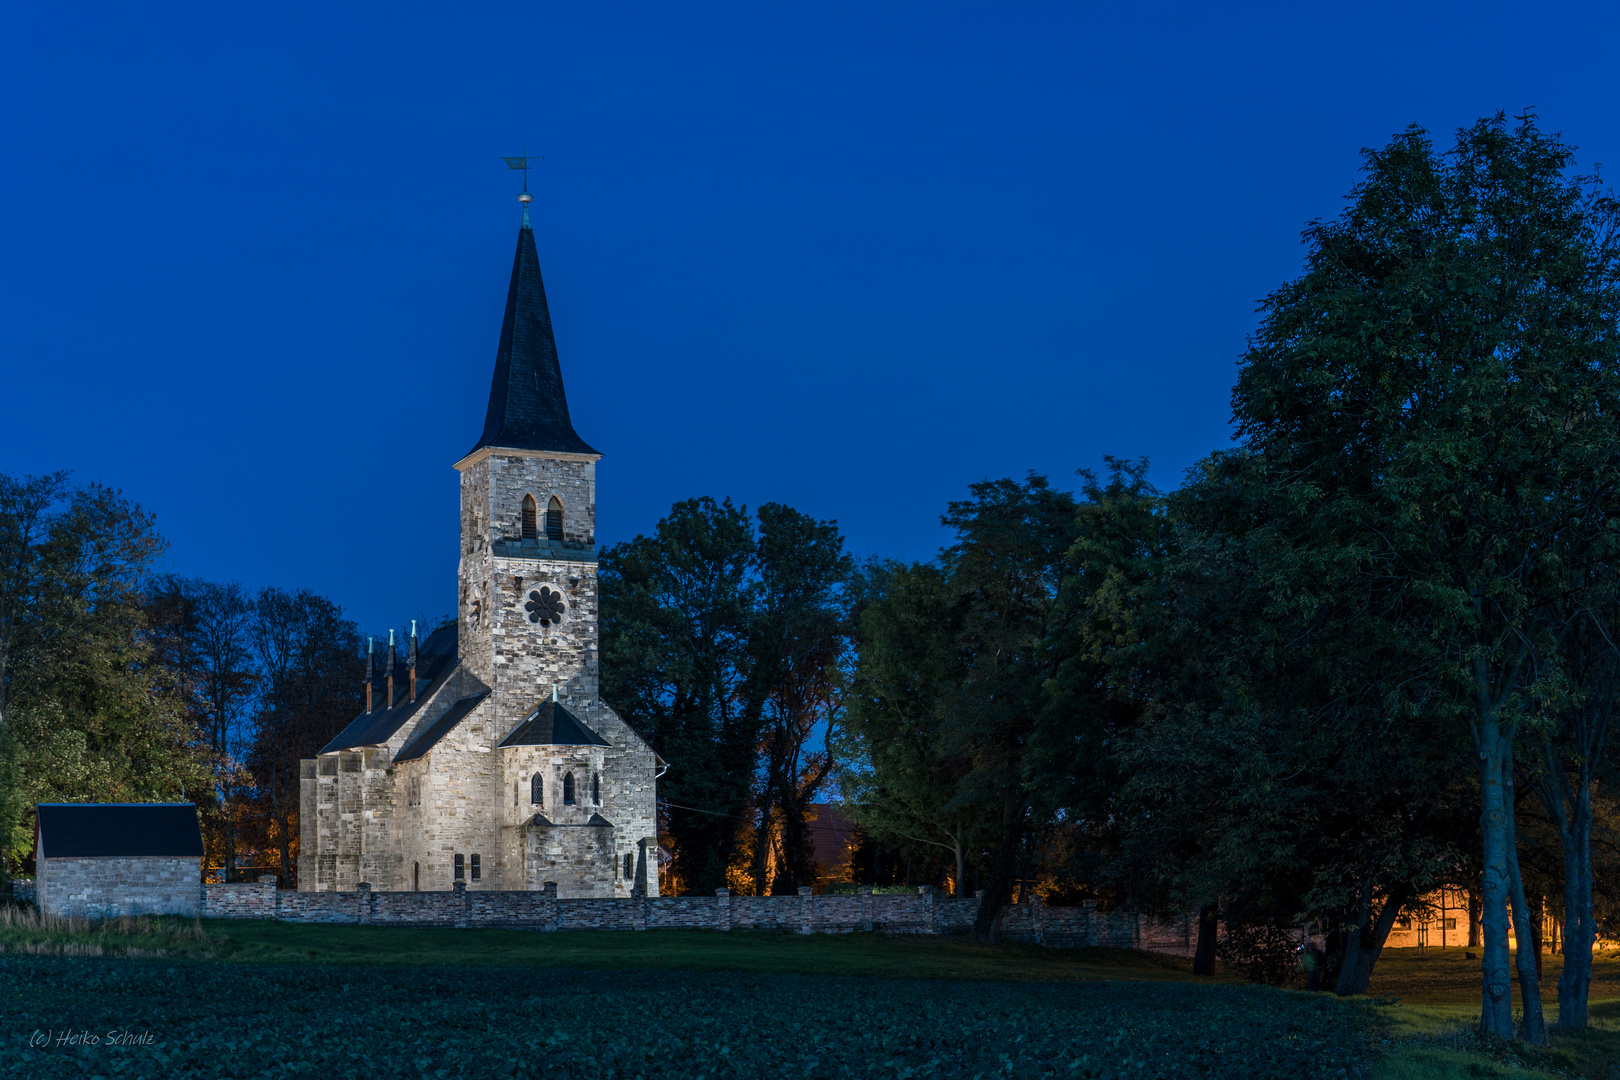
(527, 407)
(88, 830)
(435, 660)
(552, 725)
(425, 740)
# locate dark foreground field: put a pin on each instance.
(266, 999)
(342, 1021)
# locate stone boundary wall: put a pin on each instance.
(920, 913)
(1074, 927)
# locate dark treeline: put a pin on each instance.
(120, 684)
(1368, 651)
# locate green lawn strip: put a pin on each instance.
(377, 1021)
(1448, 975)
(1434, 1024)
(692, 950)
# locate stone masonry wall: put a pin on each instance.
(919, 913)
(103, 888)
(1070, 927)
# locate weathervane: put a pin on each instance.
(523, 163)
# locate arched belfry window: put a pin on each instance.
(530, 529)
(537, 790)
(554, 519)
(568, 789)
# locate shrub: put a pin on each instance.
(1260, 953)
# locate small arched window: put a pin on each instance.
(568, 789)
(475, 867)
(537, 791)
(461, 868)
(416, 877)
(596, 789)
(530, 531)
(629, 866)
(554, 519)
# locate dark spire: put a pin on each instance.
(527, 407)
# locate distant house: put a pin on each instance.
(102, 860)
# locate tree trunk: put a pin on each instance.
(1204, 954)
(1496, 1003)
(1538, 912)
(1364, 944)
(228, 870)
(1574, 837)
(1533, 1029)
(1574, 981)
(1473, 918)
(1003, 868)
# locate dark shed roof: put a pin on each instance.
(552, 725)
(87, 830)
(527, 407)
(426, 740)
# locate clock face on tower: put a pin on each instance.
(545, 607)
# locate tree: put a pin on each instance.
(86, 714)
(959, 703)
(676, 616)
(1436, 393)
(898, 779)
(206, 631)
(798, 641)
(309, 657)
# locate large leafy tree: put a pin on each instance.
(204, 635)
(1434, 396)
(723, 643)
(899, 777)
(308, 654)
(950, 682)
(86, 714)
(797, 639)
(677, 610)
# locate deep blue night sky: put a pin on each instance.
(852, 257)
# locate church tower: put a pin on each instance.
(528, 590)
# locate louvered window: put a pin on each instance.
(530, 531)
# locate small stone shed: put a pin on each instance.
(102, 860)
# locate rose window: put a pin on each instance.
(545, 607)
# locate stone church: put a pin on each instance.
(484, 757)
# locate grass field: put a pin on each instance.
(277, 999)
